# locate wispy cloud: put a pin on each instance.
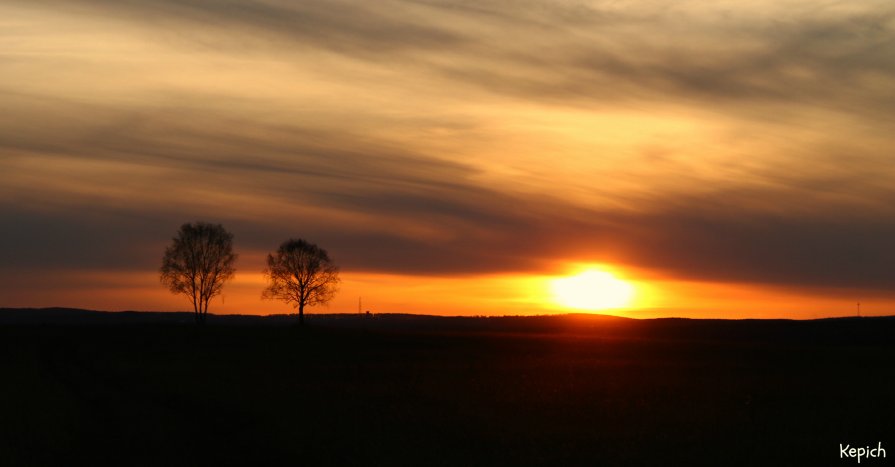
(723, 141)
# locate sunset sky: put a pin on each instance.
(725, 158)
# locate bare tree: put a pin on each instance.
(301, 273)
(198, 263)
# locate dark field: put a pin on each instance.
(397, 390)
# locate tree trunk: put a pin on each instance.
(301, 314)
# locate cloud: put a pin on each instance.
(341, 26)
(387, 207)
(573, 53)
(700, 242)
(392, 133)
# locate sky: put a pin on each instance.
(726, 158)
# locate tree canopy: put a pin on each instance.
(198, 263)
(301, 273)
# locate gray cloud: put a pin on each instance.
(343, 26)
(835, 251)
(568, 51)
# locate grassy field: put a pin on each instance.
(394, 391)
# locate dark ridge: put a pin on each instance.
(67, 316)
(849, 330)
(75, 316)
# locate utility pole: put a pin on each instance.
(358, 306)
(859, 309)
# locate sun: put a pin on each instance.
(592, 290)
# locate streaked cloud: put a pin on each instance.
(715, 141)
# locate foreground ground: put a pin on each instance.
(536, 391)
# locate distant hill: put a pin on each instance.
(75, 316)
(867, 330)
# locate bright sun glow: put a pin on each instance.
(592, 290)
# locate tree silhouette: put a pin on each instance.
(301, 273)
(197, 264)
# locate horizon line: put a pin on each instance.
(424, 315)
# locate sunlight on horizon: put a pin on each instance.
(593, 290)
